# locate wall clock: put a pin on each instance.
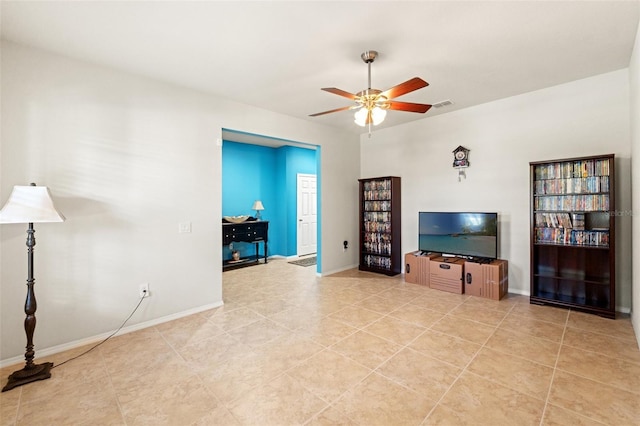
(461, 161)
(461, 157)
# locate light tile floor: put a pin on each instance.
(353, 348)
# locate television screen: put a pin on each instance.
(461, 234)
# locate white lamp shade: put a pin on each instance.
(30, 204)
(360, 117)
(378, 115)
(257, 205)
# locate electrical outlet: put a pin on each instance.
(144, 290)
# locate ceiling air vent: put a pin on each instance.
(442, 104)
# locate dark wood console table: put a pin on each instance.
(246, 232)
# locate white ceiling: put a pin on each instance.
(277, 55)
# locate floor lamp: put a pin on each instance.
(29, 204)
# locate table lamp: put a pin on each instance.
(257, 206)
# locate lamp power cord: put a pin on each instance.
(108, 337)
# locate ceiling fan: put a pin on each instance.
(372, 104)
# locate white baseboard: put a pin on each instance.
(335, 271)
(623, 310)
(95, 339)
(520, 292)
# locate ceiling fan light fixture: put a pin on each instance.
(360, 117)
(377, 115)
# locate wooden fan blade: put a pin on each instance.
(408, 106)
(403, 88)
(339, 92)
(329, 112)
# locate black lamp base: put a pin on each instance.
(28, 375)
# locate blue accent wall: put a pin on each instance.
(253, 172)
(297, 161)
(319, 189)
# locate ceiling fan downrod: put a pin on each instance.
(368, 57)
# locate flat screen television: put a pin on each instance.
(473, 235)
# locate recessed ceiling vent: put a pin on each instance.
(442, 104)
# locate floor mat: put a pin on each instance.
(306, 261)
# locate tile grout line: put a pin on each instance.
(555, 366)
(115, 393)
(18, 405)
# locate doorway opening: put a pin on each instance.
(258, 167)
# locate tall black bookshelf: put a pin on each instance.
(380, 243)
(573, 234)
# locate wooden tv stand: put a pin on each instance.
(489, 279)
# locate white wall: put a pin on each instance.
(127, 159)
(585, 117)
(634, 82)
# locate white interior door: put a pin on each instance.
(307, 214)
